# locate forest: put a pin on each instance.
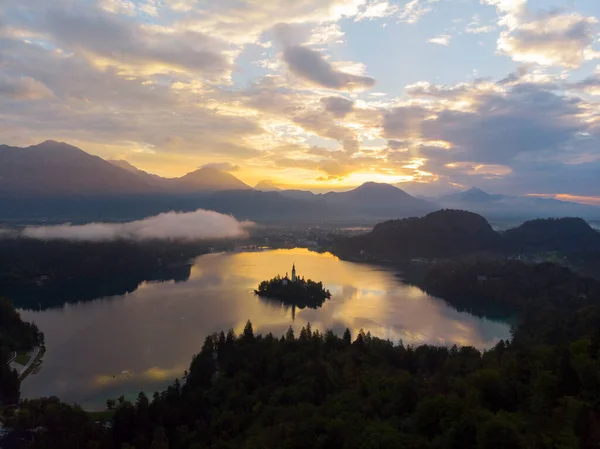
(15, 335)
(451, 233)
(503, 287)
(42, 274)
(318, 390)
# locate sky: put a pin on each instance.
(434, 96)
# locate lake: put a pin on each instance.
(142, 341)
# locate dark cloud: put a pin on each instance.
(591, 85)
(404, 122)
(23, 88)
(113, 36)
(337, 106)
(311, 66)
(527, 120)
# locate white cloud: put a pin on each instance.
(414, 10)
(547, 38)
(198, 225)
(442, 39)
(376, 10)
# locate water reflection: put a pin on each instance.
(152, 333)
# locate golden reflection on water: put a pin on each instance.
(154, 332)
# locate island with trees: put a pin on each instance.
(295, 291)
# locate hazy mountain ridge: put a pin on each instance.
(521, 207)
(69, 178)
(61, 169)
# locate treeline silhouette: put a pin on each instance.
(500, 287)
(451, 233)
(15, 336)
(318, 390)
(41, 274)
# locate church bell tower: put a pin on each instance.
(294, 273)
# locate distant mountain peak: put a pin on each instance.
(209, 178)
(267, 185)
(472, 195)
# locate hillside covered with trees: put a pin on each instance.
(450, 233)
(41, 274)
(15, 335)
(318, 390)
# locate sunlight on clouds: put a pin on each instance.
(485, 170)
(588, 200)
(414, 10)
(376, 10)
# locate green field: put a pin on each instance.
(22, 358)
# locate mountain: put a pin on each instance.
(151, 179)
(473, 195)
(56, 168)
(554, 234)
(444, 233)
(267, 186)
(208, 179)
(496, 207)
(301, 195)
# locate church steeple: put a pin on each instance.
(294, 272)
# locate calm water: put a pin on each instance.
(144, 340)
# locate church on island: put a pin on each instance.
(295, 291)
(285, 280)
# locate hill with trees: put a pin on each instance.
(554, 234)
(444, 233)
(450, 233)
(42, 274)
(15, 336)
(318, 390)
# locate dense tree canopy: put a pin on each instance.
(15, 335)
(41, 274)
(318, 390)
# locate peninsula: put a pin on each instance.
(294, 291)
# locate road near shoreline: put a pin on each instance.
(22, 369)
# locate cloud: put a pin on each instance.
(310, 65)
(548, 38)
(490, 171)
(198, 225)
(23, 88)
(414, 10)
(589, 200)
(222, 166)
(96, 33)
(337, 106)
(442, 39)
(376, 10)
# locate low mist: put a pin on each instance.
(198, 225)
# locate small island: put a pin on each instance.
(295, 291)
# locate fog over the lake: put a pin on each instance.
(198, 225)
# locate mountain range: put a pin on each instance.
(514, 207)
(57, 181)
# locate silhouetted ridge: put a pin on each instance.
(443, 233)
(554, 234)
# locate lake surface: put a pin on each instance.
(143, 340)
